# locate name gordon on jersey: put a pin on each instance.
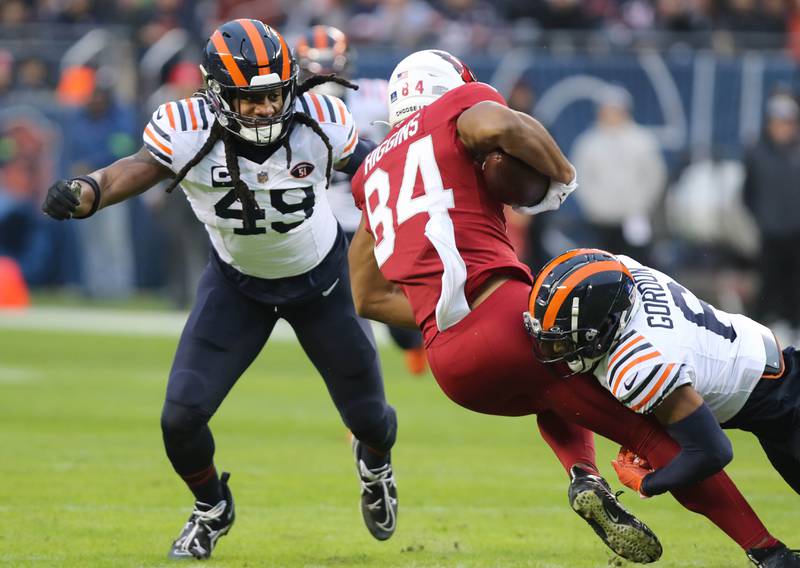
(654, 299)
(408, 130)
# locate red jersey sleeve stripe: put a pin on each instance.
(629, 366)
(655, 388)
(164, 148)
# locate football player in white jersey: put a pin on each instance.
(325, 49)
(659, 349)
(253, 153)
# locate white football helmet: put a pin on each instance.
(421, 78)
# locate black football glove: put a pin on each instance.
(61, 201)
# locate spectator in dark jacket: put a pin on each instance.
(772, 193)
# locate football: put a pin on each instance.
(512, 181)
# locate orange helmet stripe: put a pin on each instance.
(301, 47)
(227, 59)
(573, 280)
(548, 268)
(258, 44)
(286, 71)
(320, 37)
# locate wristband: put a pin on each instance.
(96, 188)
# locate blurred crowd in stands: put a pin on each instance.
(483, 24)
(79, 78)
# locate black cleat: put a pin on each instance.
(378, 496)
(774, 557)
(205, 526)
(591, 497)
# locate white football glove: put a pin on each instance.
(555, 196)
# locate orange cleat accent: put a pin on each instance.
(416, 360)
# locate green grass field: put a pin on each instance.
(85, 482)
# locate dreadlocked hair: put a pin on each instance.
(219, 132)
(306, 120)
(216, 134)
(317, 80)
(243, 193)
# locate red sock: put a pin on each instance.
(571, 443)
(583, 401)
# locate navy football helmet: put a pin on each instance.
(579, 302)
(246, 59)
(322, 50)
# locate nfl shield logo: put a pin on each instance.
(262, 177)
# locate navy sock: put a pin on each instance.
(372, 459)
(205, 485)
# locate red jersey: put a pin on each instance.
(438, 233)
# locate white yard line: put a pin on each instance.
(120, 322)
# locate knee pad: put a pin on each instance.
(374, 423)
(178, 421)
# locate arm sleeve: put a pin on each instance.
(363, 147)
(705, 450)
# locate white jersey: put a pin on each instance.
(675, 339)
(368, 104)
(296, 228)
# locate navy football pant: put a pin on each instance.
(225, 332)
(772, 413)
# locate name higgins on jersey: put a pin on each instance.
(407, 131)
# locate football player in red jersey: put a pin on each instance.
(432, 252)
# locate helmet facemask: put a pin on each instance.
(580, 348)
(259, 130)
(599, 302)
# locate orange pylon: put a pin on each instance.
(13, 289)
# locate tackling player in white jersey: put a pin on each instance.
(659, 349)
(254, 153)
(325, 49)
